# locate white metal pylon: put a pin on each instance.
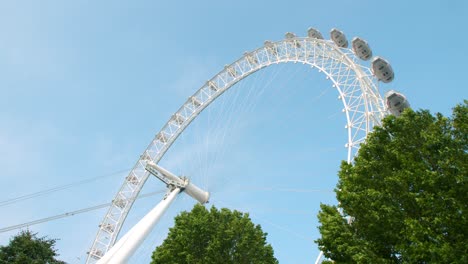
(129, 243)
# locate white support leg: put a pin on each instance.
(319, 258)
(128, 244)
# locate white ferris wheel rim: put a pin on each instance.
(357, 88)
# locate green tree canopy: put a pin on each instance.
(406, 194)
(214, 236)
(26, 247)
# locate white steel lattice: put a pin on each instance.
(357, 88)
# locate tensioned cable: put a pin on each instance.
(57, 188)
(244, 106)
(100, 206)
(285, 229)
(72, 213)
(290, 190)
(243, 103)
(245, 188)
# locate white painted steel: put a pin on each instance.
(382, 69)
(314, 33)
(339, 38)
(361, 48)
(169, 175)
(355, 84)
(396, 102)
(189, 188)
(319, 258)
(129, 243)
(196, 193)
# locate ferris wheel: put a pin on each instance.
(355, 80)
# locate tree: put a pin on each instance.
(404, 198)
(214, 236)
(26, 247)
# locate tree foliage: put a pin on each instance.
(26, 247)
(406, 192)
(214, 236)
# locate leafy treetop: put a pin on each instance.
(26, 247)
(214, 236)
(405, 194)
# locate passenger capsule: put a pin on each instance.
(382, 70)
(250, 58)
(231, 71)
(271, 47)
(339, 38)
(396, 102)
(313, 33)
(361, 49)
(289, 35)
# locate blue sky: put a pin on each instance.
(85, 85)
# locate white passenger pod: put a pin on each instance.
(313, 33)
(250, 58)
(108, 228)
(339, 38)
(361, 48)
(96, 253)
(132, 179)
(178, 119)
(120, 203)
(396, 102)
(382, 70)
(212, 86)
(291, 37)
(162, 137)
(271, 47)
(231, 71)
